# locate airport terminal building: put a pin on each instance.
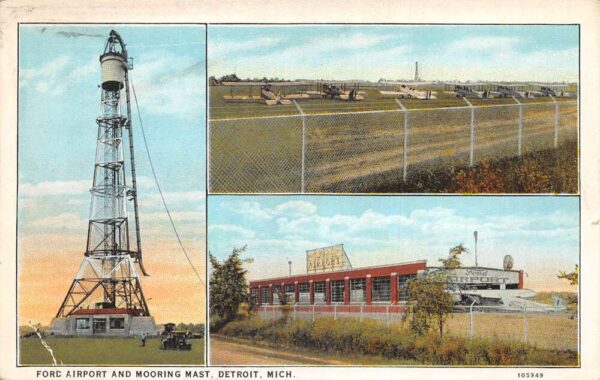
(374, 286)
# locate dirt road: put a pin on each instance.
(226, 352)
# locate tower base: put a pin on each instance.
(104, 323)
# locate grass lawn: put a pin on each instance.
(350, 152)
(327, 357)
(546, 331)
(106, 351)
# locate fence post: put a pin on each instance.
(405, 149)
(555, 121)
(294, 312)
(302, 184)
(361, 312)
(334, 312)
(313, 313)
(387, 315)
(472, 321)
(525, 320)
(520, 135)
(472, 148)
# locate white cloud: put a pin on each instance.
(340, 227)
(69, 221)
(54, 77)
(483, 43)
(343, 41)
(160, 217)
(83, 71)
(169, 85)
(45, 73)
(54, 188)
(172, 197)
(232, 229)
(249, 210)
(347, 55)
(229, 47)
(295, 208)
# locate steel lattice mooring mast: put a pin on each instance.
(107, 279)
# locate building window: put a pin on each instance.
(290, 293)
(357, 290)
(381, 289)
(82, 323)
(337, 291)
(276, 290)
(264, 295)
(117, 323)
(99, 325)
(403, 286)
(319, 292)
(303, 293)
(253, 295)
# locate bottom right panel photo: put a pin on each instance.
(394, 280)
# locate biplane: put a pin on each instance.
(407, 92)
(468, 91)
(270, 93)
(555, 90)
(340, 91)
(514, 90)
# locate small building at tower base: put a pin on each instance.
(111, 322)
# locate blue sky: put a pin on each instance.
(59, 101)
(541, 233)
(470, 52)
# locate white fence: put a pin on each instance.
(384, 312)
(549, 329)
(346, 152)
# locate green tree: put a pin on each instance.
(453, 259)
(428, 303)
(572, 277)
(228, 285)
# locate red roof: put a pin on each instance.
(381, 270)
(103, 311)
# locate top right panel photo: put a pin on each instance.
(467, 109)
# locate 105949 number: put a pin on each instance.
(530, 375)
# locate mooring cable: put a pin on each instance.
(158, 185)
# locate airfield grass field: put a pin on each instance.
(362, 152)
(547, 331)
(106, 351)
(499, 339)
(374, 101)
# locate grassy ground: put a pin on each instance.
(546, 171)
(302, 355)
(496, 341)
(219, 109)
(106, 351)
(365, 152)
(555, 331)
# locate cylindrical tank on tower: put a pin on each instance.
(113, 71)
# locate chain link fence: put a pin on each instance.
(549, 330)
(348, 152)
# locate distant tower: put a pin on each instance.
(417, 78)
(107, 283)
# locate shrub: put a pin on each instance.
(216, 323)
(371, 337)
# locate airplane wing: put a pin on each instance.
(296, 96)
(394, 94)
(241, 98)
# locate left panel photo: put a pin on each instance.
(111, 196)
